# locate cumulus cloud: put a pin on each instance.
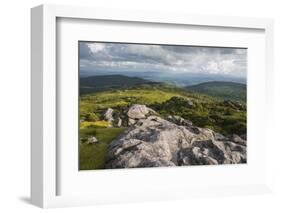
(96, 47)
(220, 67)
(172, 58)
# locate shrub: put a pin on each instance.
(91, 117)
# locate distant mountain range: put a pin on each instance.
(178, 79)
(226, 90)
(105, 82)
(221, 89)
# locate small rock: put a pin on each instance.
(131, 121)
(108, 115)
(179, 120)
(244, 137)
(92, 140)
(189, 103)
(119, 122)
(236, 139)
(219, 136)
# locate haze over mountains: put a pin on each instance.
(178, 79)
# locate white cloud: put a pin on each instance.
(165, 58)
(219, 67)
(211, 67)
(227, 66)
(96, 47)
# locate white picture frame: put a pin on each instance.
(44, 154)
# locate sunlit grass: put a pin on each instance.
(93, 156)
(87, 124)
(119, 98)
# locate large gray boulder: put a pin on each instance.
(138, 111)
(156, 142)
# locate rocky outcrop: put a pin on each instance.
(179, 120)
(137, 112)
(155, 142)
(237, 139)
(108, 115)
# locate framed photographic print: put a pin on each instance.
(130, 106)
(152, 105)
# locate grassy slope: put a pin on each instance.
(92, 156)
(225, 90)
(141, 95)
(220, 116)
(121, 98)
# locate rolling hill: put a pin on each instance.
(107, 82)
(221, 89)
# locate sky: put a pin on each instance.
(122, 57)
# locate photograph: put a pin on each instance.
(161, 105)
